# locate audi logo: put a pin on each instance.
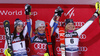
(1, 50)
(82, 49)
(2, 37)
(82, 36)
(40, 46)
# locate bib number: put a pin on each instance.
(71, 41)
(21, 45)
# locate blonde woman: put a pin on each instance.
(71, 35)
(38, 39)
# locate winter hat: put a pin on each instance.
(18, 22)
(69, 21)
(39, 23)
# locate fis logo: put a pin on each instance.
(70, 13)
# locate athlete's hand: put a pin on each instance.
(46, 54)
(97, 6)
(27, 9)
(58, 11)
(7, 52)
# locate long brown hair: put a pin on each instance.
(21, 34)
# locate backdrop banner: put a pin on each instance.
(89, 41)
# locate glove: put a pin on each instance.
(7, 52)
(58, 11)
(97, 6)
(46, 54)
(27, 9)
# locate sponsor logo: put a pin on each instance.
(70, 13)
(40, 46)
(40, 53)
(8, 12)
(58, 49)
(8, 36)
(7, 31)
(82, 36)
(61, 34)
(1, 50)
(77, 24)
(37, 39)
(71, 34)
(82, 49)
(2, 37)
(28, 49)
(60, 23)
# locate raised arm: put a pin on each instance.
(28, 20)
(88, 23)
(54, 20)
(25, 31)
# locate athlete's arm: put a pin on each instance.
(54, 24)
(25, 31)
(87, 24)
(54, 20)
(28, 20)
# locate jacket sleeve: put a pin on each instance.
(29, 27)
(53, 25)
(84, 27)
(25, 31)
(87, 24)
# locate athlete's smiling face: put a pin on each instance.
(41, 29)
(70, 26)
(19, 28)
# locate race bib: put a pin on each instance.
(71, 42)
(19, 47)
